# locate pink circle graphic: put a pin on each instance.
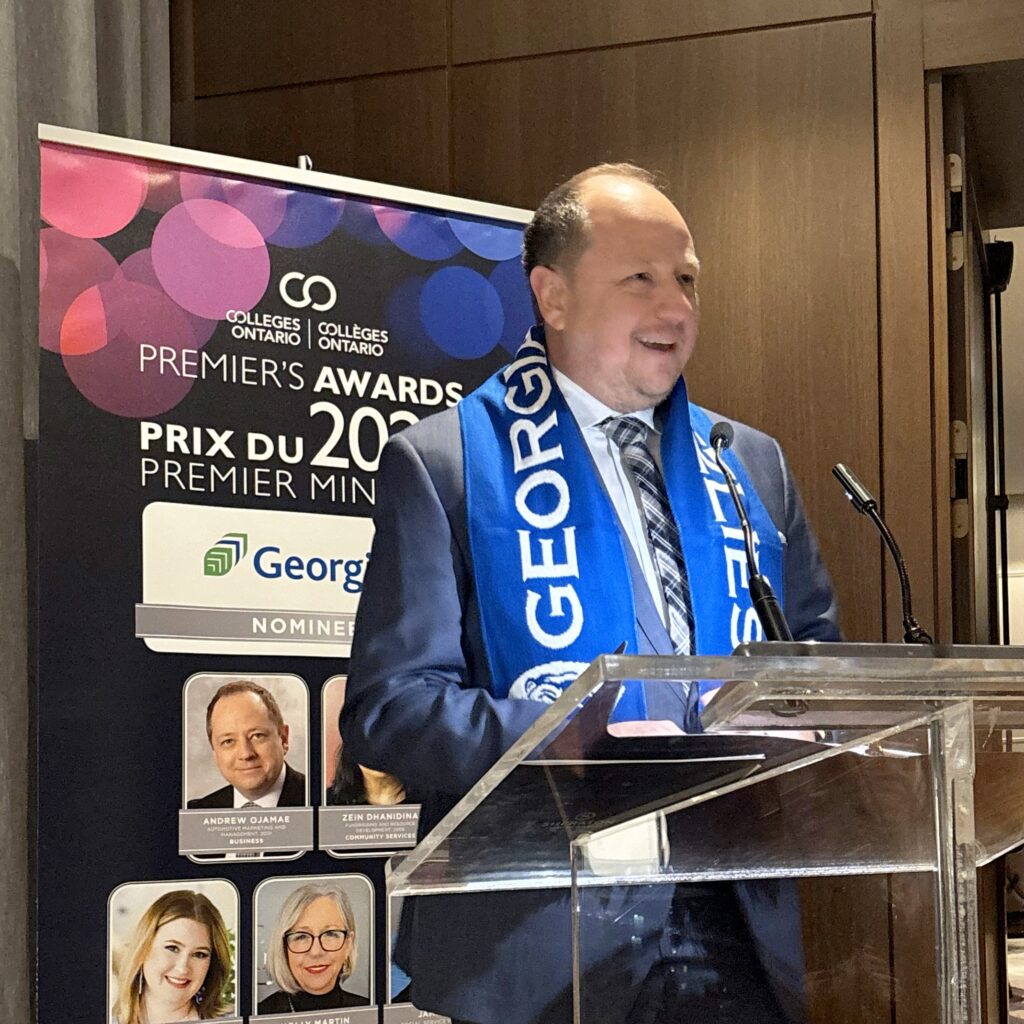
(88, 195)
(209, 258)
(102, 339)
(72, 265)
(164, 190)
(139, 267)
(85, 328)
(265, 205)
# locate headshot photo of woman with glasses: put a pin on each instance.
(311, 951)
(177, 965)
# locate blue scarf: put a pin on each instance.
(548, 553)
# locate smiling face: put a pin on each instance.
(316, 971)
(177, 964)
(622, 321)
(248, 747)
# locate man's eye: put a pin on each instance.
(642, 276)
(687, 279)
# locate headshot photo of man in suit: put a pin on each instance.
(248, 740)
(560, 510)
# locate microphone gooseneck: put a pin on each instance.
(862, 500)
(763, 599)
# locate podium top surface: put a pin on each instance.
(849, 683)
(851, 649)
(810, 763)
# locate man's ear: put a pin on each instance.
(552, 295)
(284, 737)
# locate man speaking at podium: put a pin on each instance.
(569, 504)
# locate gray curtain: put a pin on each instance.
(99, 65)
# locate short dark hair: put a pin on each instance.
(245, 686)
(557, 233)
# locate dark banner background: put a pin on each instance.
(109, 709)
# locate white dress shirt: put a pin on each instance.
(269, 799)
(589, 412)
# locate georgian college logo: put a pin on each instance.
(316, 291)
(547, 682)
(225, 554)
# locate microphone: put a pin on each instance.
(763, 598)
(864, 503)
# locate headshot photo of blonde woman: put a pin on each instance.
(314, 945)
(173, 962)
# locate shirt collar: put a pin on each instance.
(269, 799)
(590, 411)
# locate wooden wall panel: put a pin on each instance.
(914, 951)
(489, 29)
(768, 141)
(391, 128)
(255, 44)
(847, 942)
(905, 311)
(962, 32)
(183, 73)
(993, 98)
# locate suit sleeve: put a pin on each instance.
(410, 707)
(810, 602)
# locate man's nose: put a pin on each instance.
(676, 303)
(247, 750)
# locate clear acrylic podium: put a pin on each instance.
(814, 851)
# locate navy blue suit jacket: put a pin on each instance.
(418, 705)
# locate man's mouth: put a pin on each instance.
(656, 345)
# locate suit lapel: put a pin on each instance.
(649, 623)
(665, 702)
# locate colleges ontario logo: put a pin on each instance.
(225, 554)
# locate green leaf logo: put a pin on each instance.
(225, 554)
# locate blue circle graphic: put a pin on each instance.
(510, 283)
(427, 236)
(308, 218)
(491, 241)
(461, 311)
(359, 221)
(402, 315)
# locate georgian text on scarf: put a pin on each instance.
(548, 554)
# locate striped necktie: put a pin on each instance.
(630, 436)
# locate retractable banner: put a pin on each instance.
(226, 348)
